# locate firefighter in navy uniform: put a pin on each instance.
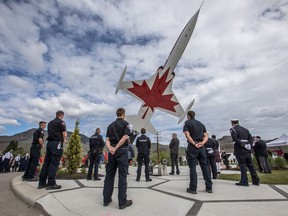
(57, 136)
(35, 151)
(143, 145)
(243, 141)
(96, 145)
(116, 142)
(196, 135)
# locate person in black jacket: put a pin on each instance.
(242, 141)
(143, 145)
(96, 145)
(174, 148)
(260, 149)
(210, 147)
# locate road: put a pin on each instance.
(10, 204)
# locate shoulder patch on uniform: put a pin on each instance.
(42, 132)
(63, 123)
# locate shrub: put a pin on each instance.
(279, 163)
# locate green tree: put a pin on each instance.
(73, 150)
(12, 145)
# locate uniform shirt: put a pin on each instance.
(39, 133)
(174, 146)
(210, 146)
(195, 128)
(96, 143)
(55, 129)
(116, 130)
(260, 148)
(143, 144)
(241, 137)
(8, 155)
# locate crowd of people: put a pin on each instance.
(201, 149)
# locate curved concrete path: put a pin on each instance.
(165, 195)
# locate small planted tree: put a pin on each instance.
(73, 150)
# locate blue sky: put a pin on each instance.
(69, 55)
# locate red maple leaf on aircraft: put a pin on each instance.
(154, 97)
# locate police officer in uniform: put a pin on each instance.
(243, 141)
(96, 145)
(57, 136)
(196, 135)
(143, 145)
(35, 151)
(116, 142)
(174, 150)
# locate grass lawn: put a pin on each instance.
(277, 177)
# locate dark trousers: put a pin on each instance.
(174, 162)
(94, 161)
(118, 160)
(32, 162)
(140, 159)
(212, 165)
(265, 164)
(243, 161)
(6, 165)
(53, 156)
(193, 155)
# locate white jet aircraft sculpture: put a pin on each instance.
(156, 92)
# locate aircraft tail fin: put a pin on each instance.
(186, 111)
(120, 80)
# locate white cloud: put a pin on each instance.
(69, 55)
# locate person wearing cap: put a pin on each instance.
(196, 135)
(57, 136)
(35, 151)
(260, 149)
(243, 141)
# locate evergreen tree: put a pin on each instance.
(13, 145)
(73, 150)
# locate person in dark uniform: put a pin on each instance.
(217, 154)
(242, 141)
(116, 142)
(35, 152)
(260, 149)
(196, 135)
(174, 149)
(57, 136)
(96, 145)
(210, 147)
(143, 145)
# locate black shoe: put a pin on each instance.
(97, 179)
(53, 187)
(127, 204)
(137, 180)
(88, 179)
(240, 184)
(256, 183)
(106, 204)
(191, 191)
(148, 180)
(178, 173)
(171, 173)
(209, 190)
(42, 186)
(32, 179)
